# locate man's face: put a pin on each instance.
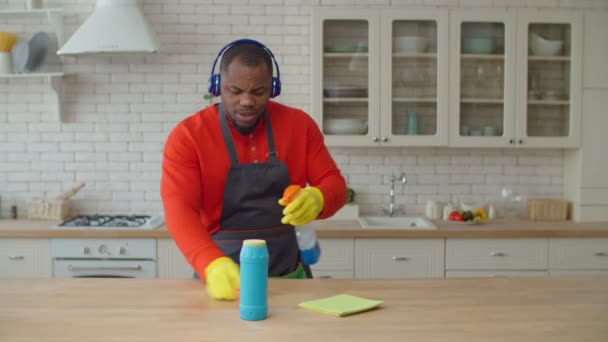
(245, 91)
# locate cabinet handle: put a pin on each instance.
(16, 257)
(498, 254)
(396, 258)
(520, 141)
(375, 139)
(601, 254)
(385, 139)
(511, 141)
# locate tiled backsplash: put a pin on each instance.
(119, 109)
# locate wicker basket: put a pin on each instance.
(42, 209)
(547, 209)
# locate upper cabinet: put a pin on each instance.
(515, 78)
(437, 77)
(549, 78)
(380, 77)
(482, 66)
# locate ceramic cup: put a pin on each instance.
(489, 131)
(6, 63)
(465, 130)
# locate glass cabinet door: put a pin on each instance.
(482, 77)
(550, 91)
(344, 95)
(414, 69)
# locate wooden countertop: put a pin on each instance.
(489, 309)
(339, 229)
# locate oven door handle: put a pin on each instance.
(106, 268)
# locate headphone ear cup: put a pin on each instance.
(276, 87)
(214, 85)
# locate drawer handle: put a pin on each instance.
(396, 258)
(601, 254)
(498, 254)
(16, 257)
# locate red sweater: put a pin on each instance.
(195, 165)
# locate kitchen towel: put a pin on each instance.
(341, 305)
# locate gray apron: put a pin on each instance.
(250, 208)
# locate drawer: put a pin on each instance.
(336, 255)
(25, 258)
(494, 274)
(497, 254)
(590, 254)
(399, 258)
(333, 274)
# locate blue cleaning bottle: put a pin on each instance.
(253, 304)
(310, 251)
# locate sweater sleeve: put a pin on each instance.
(323, 173)
(181, 196)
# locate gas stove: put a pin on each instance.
(112, 222)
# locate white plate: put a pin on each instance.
(20, 52)
(466, 222)
(39, 47)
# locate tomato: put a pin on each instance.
(456, 216)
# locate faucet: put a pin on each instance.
(391, 206)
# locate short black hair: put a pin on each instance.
(248, 54)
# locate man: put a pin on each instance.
(225, 169)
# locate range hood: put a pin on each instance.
(116, 26)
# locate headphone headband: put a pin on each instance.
(215, 79)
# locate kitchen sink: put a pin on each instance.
(396, 222)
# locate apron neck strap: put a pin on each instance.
(271, 155)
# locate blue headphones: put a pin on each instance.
(215, 79)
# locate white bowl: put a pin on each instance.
(544, 47)
(344, 126)
(409, 44)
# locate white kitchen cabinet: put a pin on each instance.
(54, 79)
(25, 258)
(570, 254)
(596, 50)
(490, 106)
(399, 258)
(171, 263)
(337, 259)
(380, 76)
(496, 254)
(494, 274)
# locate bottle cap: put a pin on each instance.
(254, 242)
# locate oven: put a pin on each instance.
(106, 257)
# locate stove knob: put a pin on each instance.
(122, 251)
(103, 249)
(86, 250)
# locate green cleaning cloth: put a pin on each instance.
(341, 305)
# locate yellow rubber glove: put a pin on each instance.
(223, 279)
(307, 205)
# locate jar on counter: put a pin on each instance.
(432, 210)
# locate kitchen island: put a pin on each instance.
(489, 309)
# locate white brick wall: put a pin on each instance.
(119, 109)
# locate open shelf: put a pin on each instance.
(549, 58)
(55, 80)
(414, 55)
(481, 100)
(346, 54)
(481, 56)
(415, 99)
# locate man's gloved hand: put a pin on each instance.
(223, 279)
(306, 206)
